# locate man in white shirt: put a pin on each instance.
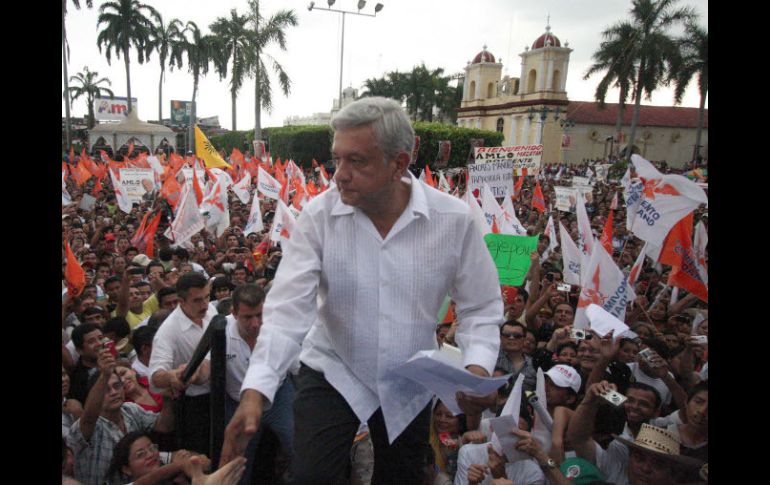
(241, 332)
(365, 271)
(172, 348)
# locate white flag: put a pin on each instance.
(124, 203)
(218, 172)
(189, 220)
(66, 199)
(700, 242)
(241, 189)
(550, 231)
(602, 284)
(154, 163)
(254, 223)
(664, 201)
(571, 256)
(268, 185)
(443, 183)
(283, 223)
(510, 217)
(292, 171)
(614, 204)
(585, 235)
(215, 205)
(493, 211)
(478, 215)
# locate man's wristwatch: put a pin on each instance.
(549, 464)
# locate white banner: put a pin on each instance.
(135, 182)
(188, 177)
(566, 197)
(497, 175)
(525, 158)
(580, 181)
(112, 109)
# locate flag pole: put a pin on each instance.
(617, 261)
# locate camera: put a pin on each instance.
(577, 334)
(614, 397)
(566, 287)
(701, 339)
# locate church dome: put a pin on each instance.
(483, 56)
(546, 40)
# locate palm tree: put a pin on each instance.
(615, 56)
(265, 33)
(89, 86)
(236, 38)
(65, 60)
(695, 61)
(167, 40)
(200, 50)
(655, 51)
(126, 24)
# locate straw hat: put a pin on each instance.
(662, 443)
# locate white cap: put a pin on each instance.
(565, 376)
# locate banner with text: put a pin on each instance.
(497, 175)
(135, 182)
(511, 256)
(525, 158)
(112, 109)
(566, 197)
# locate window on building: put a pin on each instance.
(500, 125)
(472, 90)
(531, 81)
(491, 90)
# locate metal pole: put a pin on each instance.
(342, 51)
(217, 383)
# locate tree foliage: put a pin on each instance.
(424, 91)
(87, 84)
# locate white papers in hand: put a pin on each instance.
(441, 372)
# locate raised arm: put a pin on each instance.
(122, 309)
(581, 426)
(106, 364)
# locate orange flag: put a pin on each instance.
(73, 273)
(678, 252)
(171, 190)
(149, 236)
(606, 239)
(97, 187)
(517, 186)
(299, 195)
(197, 188)
(72, 155)
(130, 150)
(284, 193)
(538, 201)
(429, 177)
(81, 174)
(312, 190)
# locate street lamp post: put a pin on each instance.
(361, 4)
(542, 113)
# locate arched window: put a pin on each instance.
(500, 125)
(557, 80)
(531, 81)
(491, 90)
(472, 90)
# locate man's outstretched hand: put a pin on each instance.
(242, 426)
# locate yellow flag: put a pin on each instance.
(205, 150)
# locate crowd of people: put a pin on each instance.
(131, 414)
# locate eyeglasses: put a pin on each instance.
(513, 336)
(142, 454)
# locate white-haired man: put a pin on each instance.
(380, 250)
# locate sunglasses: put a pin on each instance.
(512, 336)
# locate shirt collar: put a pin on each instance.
(185, 321)
(418, 202)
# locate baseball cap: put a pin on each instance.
(141, 259)
(580, 471)
(565, 376)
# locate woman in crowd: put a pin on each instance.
(137, 389)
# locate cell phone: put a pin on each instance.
(701, 339)
(614, 397)
(564, 287)
(577, 334)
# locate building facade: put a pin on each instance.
(534, 108)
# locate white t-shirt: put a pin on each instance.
(658, 384)
(665, 421)
(522, 472)
(141, 369)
